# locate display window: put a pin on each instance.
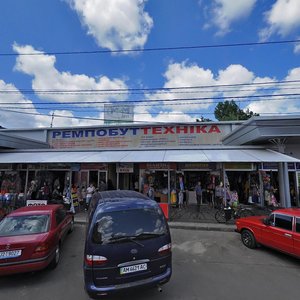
(156, 183)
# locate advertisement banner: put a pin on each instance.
(148, 137)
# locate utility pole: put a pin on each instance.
(52, 120)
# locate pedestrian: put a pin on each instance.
(198, 190)
(151, 192)
(89, 193)
(102, 186)
(57, 197)
(45, 191)
(180, 199)
(136, 185)
(83, 196)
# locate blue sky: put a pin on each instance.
(254, 76)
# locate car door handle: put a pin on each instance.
(288, 235)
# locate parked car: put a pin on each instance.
(128, 244)
(31, 238)
(280, 230)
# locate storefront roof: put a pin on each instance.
(215, 154)
(10, 141)
(260, 130)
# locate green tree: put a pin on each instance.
(229, 111)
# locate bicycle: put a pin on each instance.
(225, 214)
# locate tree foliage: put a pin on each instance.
(229, 111)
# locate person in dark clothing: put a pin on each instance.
(198, 190)
(56, 195)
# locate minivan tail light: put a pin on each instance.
(166, 249)
(95, 260)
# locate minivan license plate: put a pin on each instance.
(132, 269)
(10, 254)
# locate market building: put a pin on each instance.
(257, 160)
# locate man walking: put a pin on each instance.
(198, 190)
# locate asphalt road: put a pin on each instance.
(206, 265)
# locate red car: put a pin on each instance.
(31, 238)
(280, 230)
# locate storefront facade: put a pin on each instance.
(168, 158)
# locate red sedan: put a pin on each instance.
(280, 231)
(31, 238)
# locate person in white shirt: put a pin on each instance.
(89, 193)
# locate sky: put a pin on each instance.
(63, 61)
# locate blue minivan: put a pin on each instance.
(127, 245)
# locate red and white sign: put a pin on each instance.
(36, 202)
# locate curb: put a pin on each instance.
(202, 226)
(190, 226)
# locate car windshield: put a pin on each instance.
(130, 224)
(22, 225)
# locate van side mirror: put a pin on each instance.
(97, 236)
(266, 221)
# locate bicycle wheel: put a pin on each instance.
(220, 216)
(246, 213)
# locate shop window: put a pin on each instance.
(284, 222)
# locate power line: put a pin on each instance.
(210, 100)
(153, 49)
(62, 91)
(85, 108)
(136, 121)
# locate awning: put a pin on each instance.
(139, 156)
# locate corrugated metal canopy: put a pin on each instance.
(203, 155)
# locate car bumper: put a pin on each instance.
(95, 292)
(32, 265)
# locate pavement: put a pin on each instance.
(186, 218)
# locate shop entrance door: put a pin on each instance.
(84, 179)
(102, 177)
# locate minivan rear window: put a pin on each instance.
(135, 223)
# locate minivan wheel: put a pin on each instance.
(56, 258)
(248, 239)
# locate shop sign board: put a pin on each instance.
(274, 166)
(100, 167)
(147, 137)
(238, 166)
(197, 166)
(114, 114)
(125, 168)
(157, 166)
(75, 167)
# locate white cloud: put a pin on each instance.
(12, 100)
(210, 85)
(283, 104)
(186, 75)
(226, 12)
(115, 24)
(297, 47)
(47, 77)
(282, 18)
(16, 111)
